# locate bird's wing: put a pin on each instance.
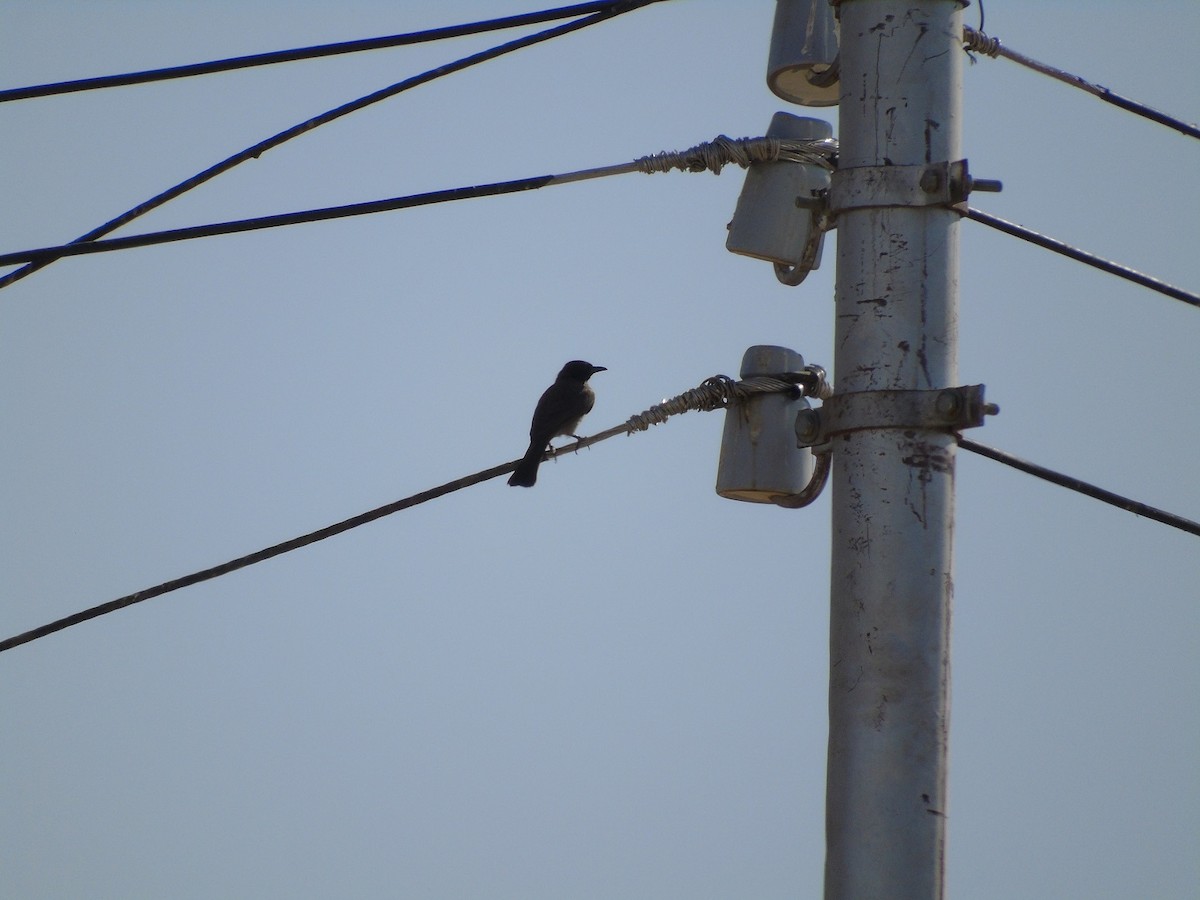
(561, 405)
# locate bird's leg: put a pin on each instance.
(555, 452)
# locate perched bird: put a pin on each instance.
(558, 411)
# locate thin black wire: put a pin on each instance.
(990, 46)
(251, 558)
(613, 9)
(380, 512)
(42, 256)
(1083, 487)
(46, 255)
(714, 393)
(302, 541)
(300, 53)
(1084, 257)
(709, 156)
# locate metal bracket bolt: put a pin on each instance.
(934, 184)
(946, 409)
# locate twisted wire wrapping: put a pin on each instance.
(713, 393)
(975, 39)
(710, 156)
(980, 42)
(714, 155)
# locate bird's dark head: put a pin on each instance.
(578, 370)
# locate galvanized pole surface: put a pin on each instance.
(893, 487)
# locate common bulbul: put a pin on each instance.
(558, 412)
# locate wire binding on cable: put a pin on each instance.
(714, 155)
(715, 393)
(979, 42)
(976, 40)
(711, 156)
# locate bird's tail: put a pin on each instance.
(525, 474)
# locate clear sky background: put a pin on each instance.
(614, 684)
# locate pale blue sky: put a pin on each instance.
(613, 685)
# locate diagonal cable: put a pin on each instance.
(1090, 490)
(300, 53)
(714, 393)
(614, 9)
(710, 156)
(1097, 262)
(991, 46)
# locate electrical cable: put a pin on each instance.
(299, 53)
(710, 156)
(714, 393)
(1090, 490)
(1082, 256)
(989, 46)
(46, 255)
(614, 9)
(251, 558)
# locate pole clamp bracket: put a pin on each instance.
(945, 409)
(934, 184)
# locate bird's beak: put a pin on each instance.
(596, 369)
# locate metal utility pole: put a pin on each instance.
(893, 470)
